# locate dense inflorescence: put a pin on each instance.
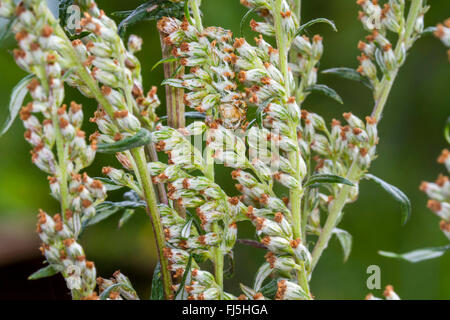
(294, 173)
(59, 145)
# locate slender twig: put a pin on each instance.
(333, 218)
(403, 43)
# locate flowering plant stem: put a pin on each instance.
(381, 96)
(405, 39)
(152, 210)
(175, 111)
(139, 158)
(333, 217)
(296, 194)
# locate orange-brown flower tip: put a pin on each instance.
(434, 205)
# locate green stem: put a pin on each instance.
(60, 147)
(333, 218)
(297, 193)
(62, 163)
(404, 42)
(152, 210)
(197, 17)
(217, 251)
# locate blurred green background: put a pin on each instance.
(411, 140)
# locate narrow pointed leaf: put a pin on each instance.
(5, 32)
(313, 22)
(318, 179)
(181, 293)
(142, 138)
(326, 91)
(45, 272)
(16, 101)
(190, 115)
(165, 60)
(349, 74)
(263, 272)
(150, 10)
(417, 255)
(157, 284)
(127, 214)
(109, 184)
(245, 17)
(107, 208)
(345, 240)
(249, 292)
(397, 194)
(186, 231)
(270, 289)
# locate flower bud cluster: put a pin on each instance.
(116, 68)
(65, 255)
(378, 50)
(182, 243)
(439, 194)
(205, 201)
(48, 123)
(264, 9)
(59, 145)
(374, 17)
(210, 83)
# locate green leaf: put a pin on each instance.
(190, 115)
(326, 91)
(428, 31)
(417, 255)
(142, 138)
(319, 179)
(107, 208)
(165, 60)
(245, 17)
(115, 287)
(249, 292)
(447, 130)
(157, 284)
(16, 101)
(349, 74)
(62, 9)
(263, 272)
(44, 272)
(345, 240)
(397, 194)
(312, 22)
(230, 265)
(127, 214)
(150, 10)
(181, 293)
(270, 289)
(186, 231)
(109, 184)
(5, 32)
(187, 13)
